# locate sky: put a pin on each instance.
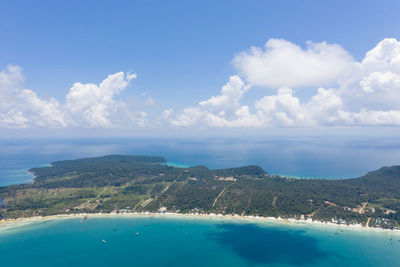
(157, 67)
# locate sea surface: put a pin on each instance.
(200, 242)
(159, 241)
(316, 157)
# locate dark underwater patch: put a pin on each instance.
(268, 245)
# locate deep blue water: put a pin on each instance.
(326, 157)
(192, 242)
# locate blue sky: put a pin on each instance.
(183, 52)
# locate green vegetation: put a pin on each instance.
(140, 183)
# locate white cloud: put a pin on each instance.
(377, 83)
(41, 112)
(12, 119)
(87, 105)
(365, 93)
(346, 93)
(231, 93)
(166, 114)
(371, 117)
(188, 117)
(325, 108)
(223, 110)
(93, 105)
(284, 64)
(282, 109)
(136, 118)
(385, 56)
(22, 107)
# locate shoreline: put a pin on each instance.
(10, 224)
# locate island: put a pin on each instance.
(136, 184)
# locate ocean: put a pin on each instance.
(193, 241)
(311, 157)
(177, 241)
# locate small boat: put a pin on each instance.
(83, 219)
(137, 233)
(104, 241)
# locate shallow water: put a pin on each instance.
(192, 242)
(302, 157)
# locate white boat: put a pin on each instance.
(83, 219)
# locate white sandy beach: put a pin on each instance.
(11, 224)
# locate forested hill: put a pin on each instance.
(142, 183)
(105, 170)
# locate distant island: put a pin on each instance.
(127, 184)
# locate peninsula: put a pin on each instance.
(126, 184)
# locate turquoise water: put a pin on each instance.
(192, 242)
(324, 157)
(11, 175)
(176, 164)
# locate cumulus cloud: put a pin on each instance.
(346, 92)
(385, 56)
(376, 86)
(231, 93)
(94, 105)
(372, 117)
(86, 105)
(223, 110)
(285, 109)
(365, 93)
(22, 107)
(282, 109)
(284, 64)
